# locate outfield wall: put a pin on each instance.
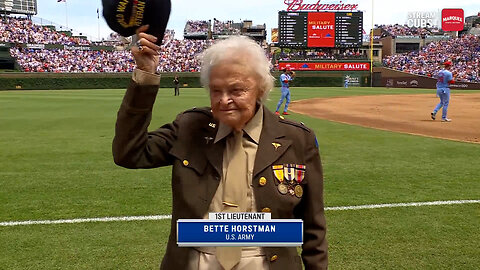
(57, 81)
(399, 79)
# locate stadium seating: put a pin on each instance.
(226, 28)
(404, 30)
(22, 30)
(34, 60)
(464, 52)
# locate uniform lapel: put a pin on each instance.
(272, 133)
(215, 154)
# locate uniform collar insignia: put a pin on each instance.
(208, 139)
(276, 145)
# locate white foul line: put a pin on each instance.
(392, 205)
(84, 220)
(162, 217)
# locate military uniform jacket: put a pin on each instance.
(196, 161)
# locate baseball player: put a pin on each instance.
(285, 79)
(444, 79)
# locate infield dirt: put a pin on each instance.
(401, 113)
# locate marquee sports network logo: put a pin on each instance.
(452, 19)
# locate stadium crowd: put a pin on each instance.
(23, 30)
(197, 27)
(405, 30)
(181, 55)
(175, 56)
(320, 55)
(464, 52)
(32, 60)
(225, 28)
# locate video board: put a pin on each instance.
(28, 7)
(320, 29)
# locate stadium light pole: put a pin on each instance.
(66, 13)
(98, 23)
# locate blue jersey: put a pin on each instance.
(443, 77)
(285, 77)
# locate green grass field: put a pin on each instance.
(56, 163)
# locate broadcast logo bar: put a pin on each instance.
(239, 229)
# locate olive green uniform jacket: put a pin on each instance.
(187, 143)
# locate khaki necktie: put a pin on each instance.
(234, 195)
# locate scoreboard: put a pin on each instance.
(28, 7)
(320, 29)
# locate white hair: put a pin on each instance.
(238, 48)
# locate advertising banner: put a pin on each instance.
(352, 80)
(274, 36)
(424, 82)
(321, 29)
(328, 66)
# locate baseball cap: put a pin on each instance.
(125, 16)
(447, 63)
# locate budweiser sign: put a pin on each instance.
(298, 5)
(452, 19)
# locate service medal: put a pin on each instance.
(282, 188)
(289, 172)
(278, 172)
(300, 173)
(298, 191)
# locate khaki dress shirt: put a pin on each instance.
(252, 257)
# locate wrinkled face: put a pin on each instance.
(233, 93)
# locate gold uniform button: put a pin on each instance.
(262, 181)
(273, 258)
(266, 210)
(185, 162)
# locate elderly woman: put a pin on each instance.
(236, 156)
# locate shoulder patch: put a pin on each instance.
(293, 123)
